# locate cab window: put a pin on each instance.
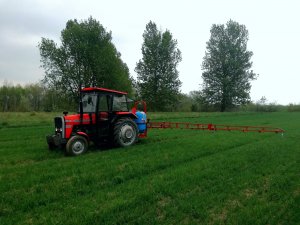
(120, 103)
(89, 102)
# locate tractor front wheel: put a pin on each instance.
(125, 132)
(76, 145)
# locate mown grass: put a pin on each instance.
(172, 177)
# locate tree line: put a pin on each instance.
(33, 97)
(87, 57)
(36, 97)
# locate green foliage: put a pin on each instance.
(158, 81)
(34, 97)
(293, 108)
(172, 177)
(262, 106)
(270, 107)
(86, 57)
(185, 104)
(18, 98)
(226, 65)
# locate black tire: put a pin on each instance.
(125, 132)
(76, 145)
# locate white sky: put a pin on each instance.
(273, 25)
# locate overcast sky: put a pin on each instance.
(273, 25)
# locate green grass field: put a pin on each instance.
(172, 177)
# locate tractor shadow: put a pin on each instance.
(100, 147)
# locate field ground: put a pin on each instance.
(172, 177)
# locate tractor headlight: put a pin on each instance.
(58, 130)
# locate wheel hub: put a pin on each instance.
(78, 147)
(127, 133)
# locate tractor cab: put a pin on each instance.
(103, 116)
(103, 100)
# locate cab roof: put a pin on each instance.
(98, 89)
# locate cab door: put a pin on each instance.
(104, 102)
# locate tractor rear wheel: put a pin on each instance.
(76, 145)
(125, 132)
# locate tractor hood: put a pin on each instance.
(75, 118)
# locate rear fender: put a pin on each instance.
(124, 114)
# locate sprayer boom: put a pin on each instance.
(213, 127)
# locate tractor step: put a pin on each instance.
(212, 127)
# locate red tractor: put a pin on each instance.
(104, 116)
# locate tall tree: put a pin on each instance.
(158, 81)
(86, 57)
(226, 65)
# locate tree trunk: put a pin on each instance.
(223, 104)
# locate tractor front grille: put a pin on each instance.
(58, 122)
